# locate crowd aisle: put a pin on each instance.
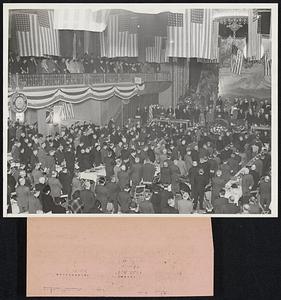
(220, 164)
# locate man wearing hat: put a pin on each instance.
(102, 193)
(230, 207)
(265, 192)
(88, 199)
(185, 205)
(219, 201)
(36, 174)
(56, 187)
(247, 181)
(124, 199)
(199, 184)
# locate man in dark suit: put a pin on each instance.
(219, 202)
(124, 200)
(148, 172)
(88, 199)
(102, 194)
(230, 207)
(200, 182)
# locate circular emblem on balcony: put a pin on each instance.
(19, 103)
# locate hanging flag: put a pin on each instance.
(36, 35)
(176, 46)
(81, 19)
(215, 42)
(120, 38)
(237, 58)
(103, 44)
(49, 36)
(150, 113)
(254, 38)
(67, 111)
(190, 34)
(267, 64)
(28, 35)
(149, 27)
(255, 15)
(154, 54)
(49, 115)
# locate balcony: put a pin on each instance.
(37, 80)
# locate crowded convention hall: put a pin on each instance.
(113, 111)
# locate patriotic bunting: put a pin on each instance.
(42, 99)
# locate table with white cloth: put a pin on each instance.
(94, 174)
(237, 179)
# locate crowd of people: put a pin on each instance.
(184, 169)
(87, 64)
(250, 112)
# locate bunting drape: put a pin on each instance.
(42, 99)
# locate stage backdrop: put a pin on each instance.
(251, 82)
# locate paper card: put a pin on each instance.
(119, 257)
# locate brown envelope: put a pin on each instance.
(119, 257)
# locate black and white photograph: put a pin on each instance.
(140, 109)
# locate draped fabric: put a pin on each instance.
(81, 19)
(254, 38)
(42, 99)
(190, 34)
(180, 76)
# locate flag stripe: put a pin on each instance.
(254, 38)
(67, 111)
(117, 40)
(237, 62)
(191, 34)
(28, 35)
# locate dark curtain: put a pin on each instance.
(195, 69)
(66, 43)
(92, 43)
(129, 110)
(149, 26)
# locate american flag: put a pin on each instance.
(190, 34)
(267, 64)
(255, 15)
(237, 58)
(150, 113)
(180, 77)
(67, 111)
(49, 115)
(254, 38)
(49, 36)
(28, 35)
(156, 52)
(176, 46)
(36, 35)
(120, 39)
(197, 16)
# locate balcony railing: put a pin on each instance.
(26, 80)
